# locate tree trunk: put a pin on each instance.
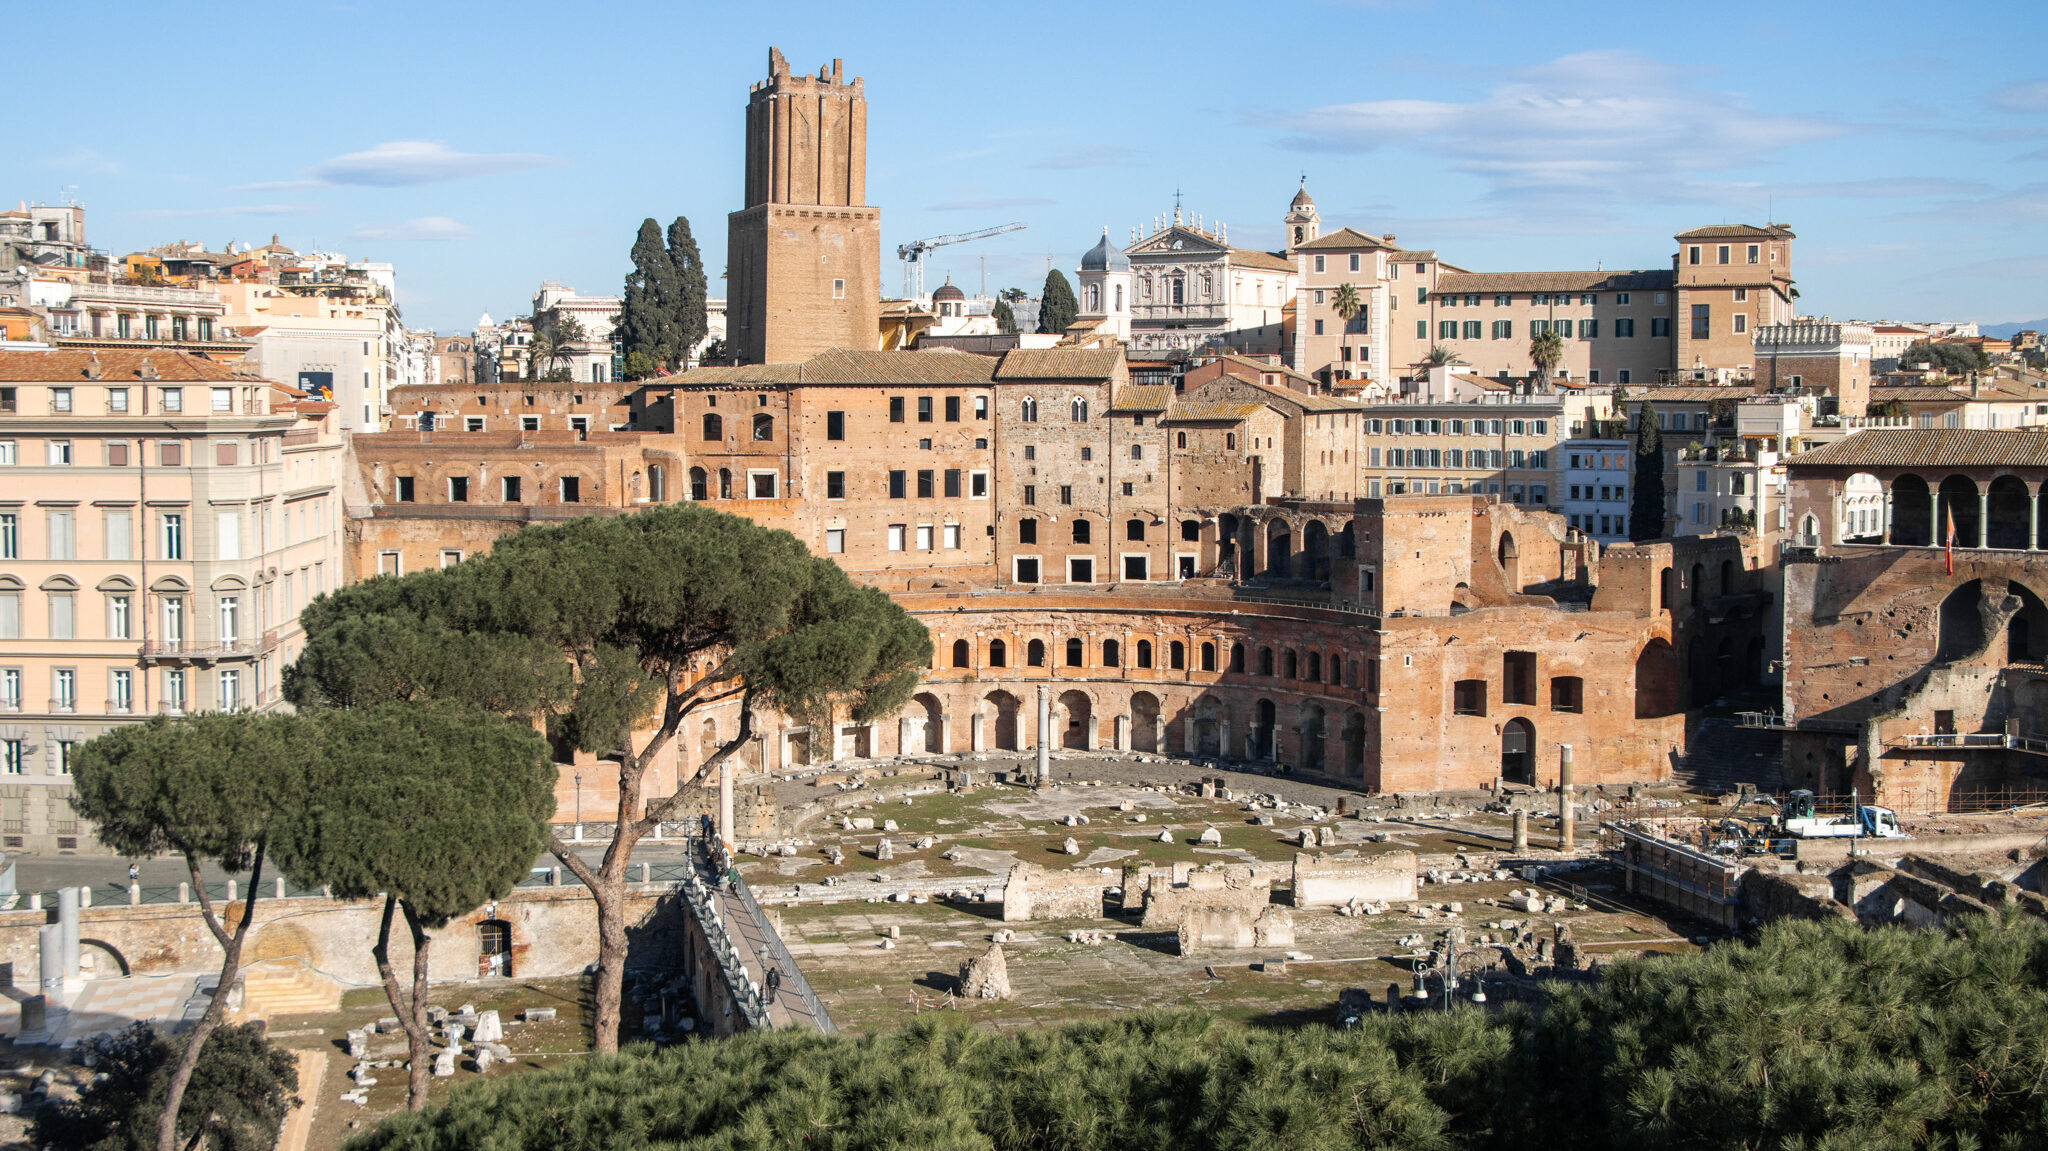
(607, 881)
(413, 1016)
(230, 973)
(417, 1084)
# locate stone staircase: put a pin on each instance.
(1719, 755)
(270, 990)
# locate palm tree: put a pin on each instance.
(1546, 348)
(1347, 303)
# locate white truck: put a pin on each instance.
(1798, 819)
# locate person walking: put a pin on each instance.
(134, 874)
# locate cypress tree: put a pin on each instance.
(689, 302)
(1646, 499)
(1057, 306)
(646, 317)
(1006, 320)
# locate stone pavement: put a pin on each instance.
(104, 1006)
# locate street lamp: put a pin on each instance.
(579, 802)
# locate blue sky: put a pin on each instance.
(484, 148)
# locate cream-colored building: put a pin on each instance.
(342, 340)
(1192, 292)
(163, 520)
(1391, 331)
(1616, 326)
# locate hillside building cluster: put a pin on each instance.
(1317, 507)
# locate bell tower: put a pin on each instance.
(804, 255)
(1301, 224)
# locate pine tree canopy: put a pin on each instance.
(1818, 1036)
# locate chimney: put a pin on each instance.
(147, 371)
(93, 370)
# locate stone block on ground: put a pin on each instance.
(986, 976)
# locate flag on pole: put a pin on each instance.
(1948, 516)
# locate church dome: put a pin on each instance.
(1105, 257)
(948, 292)
(1301, 200)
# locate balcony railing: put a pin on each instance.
(63, 704)
(1179, 312)
(200, 649)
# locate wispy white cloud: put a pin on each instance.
(236, 210)
(404, 163)
(2025, 96)
(400, 163)
(84, 160)
(990, 205)
(425, 229)
(1877, 188)
(1595, 125)
(1091, 156)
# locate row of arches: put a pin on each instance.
(1272, 550)
(1323, 666)
(2004, 514)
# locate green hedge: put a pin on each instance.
(1817, 1036)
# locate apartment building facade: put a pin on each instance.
(166, 518)
(1732, 279)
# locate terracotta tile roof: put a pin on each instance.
(72, 365)
(1204, 412)
(1930, 448)
(1486, 282)
(1737, 231)
(745, 375)
(1248, 258)
(842, 367)
(1060, 364)
(1423, 254)
(1342, 238)
(1143, 398)
(1699, 394)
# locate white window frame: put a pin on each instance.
(1036, 559)
(977, 485)
(1089, 560)
(899, 537)
(1123, 562)
(774, 480)
(835, 536)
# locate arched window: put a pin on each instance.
(1208, 657)
(1077, 410)
(959, 653)
(1315, 666)
(1027, 410)
(714, 428)
(1176, 655)
(1110, 653)
(1073, 653)
(1265, 661)
(1094, 298)
(764, 427)
(1134, 530)
(725, 483)
(700, 485)
(1081, 531)
(1119, 297)
(1144, 653)
(1291, 664)
(1176, 287)
(996, 653)
(1237, 658)
(1034, 653)
(1230, 441)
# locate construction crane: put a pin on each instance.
(912, 254)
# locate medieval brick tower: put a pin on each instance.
(804, 255)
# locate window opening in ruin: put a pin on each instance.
(714, 427)
(1208, 657)
(1074, 653)
(1034, 653)
(1081, 531)
(960, 653)
(1110, 653)
(997, 653)
(1567, 693)
(1237, 658)
(1265, 661)
(1518, 678)
(1518, 751)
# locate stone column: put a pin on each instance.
(68, 903)
(1222, 737)
(1564, 797)
(1044, 732)
(907, 741)
(945, 734)
(1983, 517)
(725, 774)
(2034, 519)
(50, 955)
(1934, 532)
(975, 737)
(1521, 831)
(1123, 733)
(1887, 513)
